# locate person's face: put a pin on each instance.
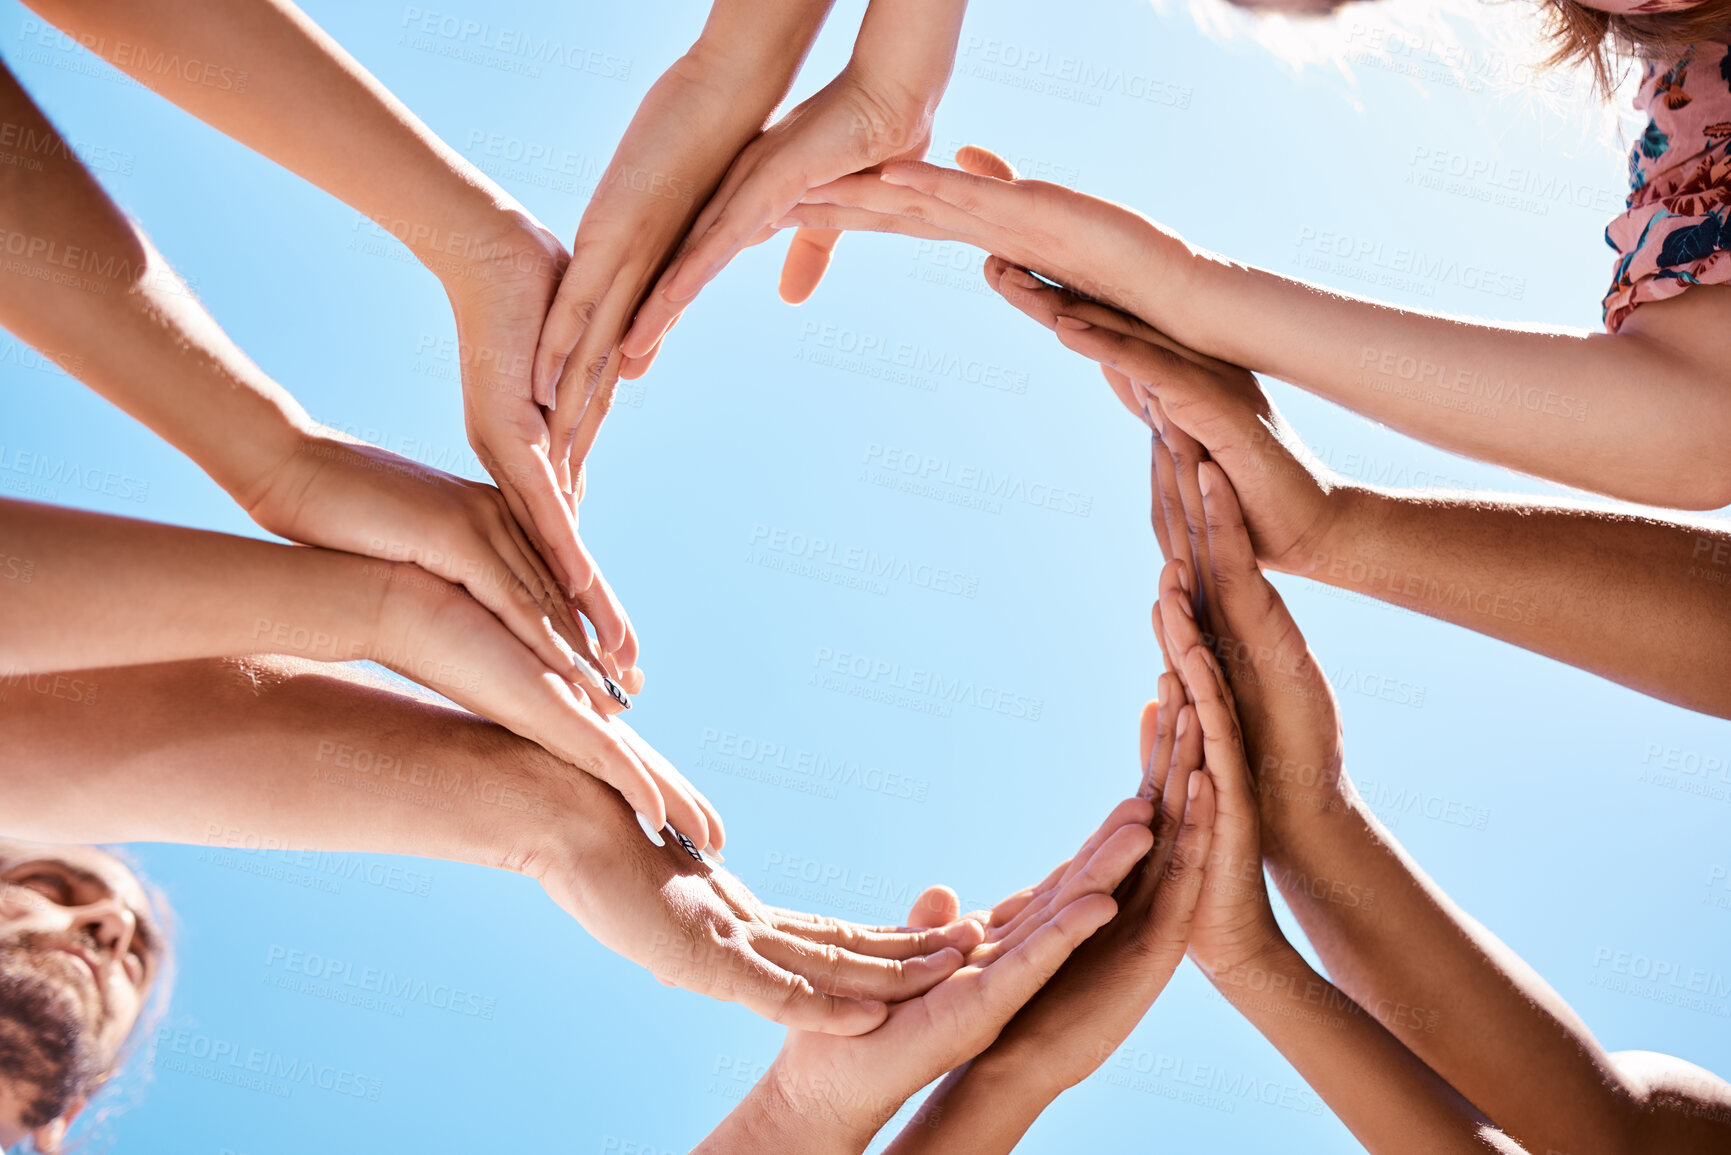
(78, 955)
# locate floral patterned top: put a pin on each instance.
(1676, 232)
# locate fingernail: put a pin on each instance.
(690, 846)
(1184, 604)
(616, 693)
(891, 177)
(1183, 724)
(872, 1006)
(1184, 577)
(1205, 480)
(1020, 277)
(1195, 784)
(1073, 323)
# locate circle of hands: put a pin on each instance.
(1062, 970)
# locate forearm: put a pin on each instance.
(1388, 1099)
(982, 1108)
(1631, 597)
(276, 82)
(910, 46)
(1632, 415)
(1452, 992)
(271, 754)
(106, 591)
(769, 1121)
(91, 293)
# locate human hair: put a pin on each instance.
(1605, 41)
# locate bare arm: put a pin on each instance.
(275, 81)
(1641, 415)
(1435, 982)
(274, 754)
(1618, 591)
(107, 591)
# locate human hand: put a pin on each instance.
(500, 282)
(1104, 250)
(344, 494)
(694, 925)
(440, 636)
(1291, 722)
(1077, 1019)
(1201, 408)
(833, 1094)
(878, 109)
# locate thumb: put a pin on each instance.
(984, 162)
(936, 906)
(808, 256)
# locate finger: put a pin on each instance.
(631, 368)
(984, 162)
(601, 606)
(1106, 868)
(1183, 632)
(893, 942)
(1035, 900)
(1165, 732)
(687, 809)
(586, 386)
(764, 195)
(528, 589)
(1001, 989)
(1222, 741)
(580, 292)
(1165, 933)
(936, 906)
(783, 997)
(808, 257)
(1150, 723)
(1252, 607)
(1170, 505)
(583, 738)
(835, 971)
(977, 194)
(1187, 455)
(538, 505)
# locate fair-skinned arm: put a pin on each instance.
(743, 177)
(156, 757)
(90, 289)
(1641, 415)
(294, 95)
(1449, 990)
(111, 591)
(818, 1096)
(1528, 570)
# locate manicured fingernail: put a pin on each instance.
(1195, 784)
(890, 176)
(1073, 323)
(1021, 278)
(616, 693)
(689, 846)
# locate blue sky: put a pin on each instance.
(1526, 788)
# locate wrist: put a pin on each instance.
(775, 1118)
(1020, 1072)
